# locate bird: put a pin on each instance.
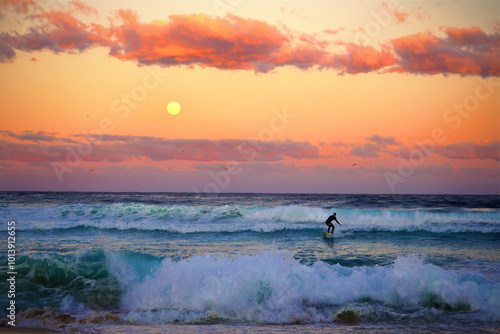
(354, 165)
(225, 168)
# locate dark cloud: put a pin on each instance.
(367, 150)
(7, 53)
(383, 141)
(469, 151)
(374, 145)
(37, 137)
(252, 168)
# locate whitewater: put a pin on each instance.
(186, 263)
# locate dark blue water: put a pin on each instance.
(165, 258)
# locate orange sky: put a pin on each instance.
(275, 96)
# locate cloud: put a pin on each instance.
(294, 13)
(253, 168)
(237, 43)
(462, 151)
(374, 145)
(226, 43)
(18, 6)
(40, 136)
(469, 151)
(115, 138)
(400, 15)
(336, 144)
(383, 141)
(35, 137)
(363, 59)
(30, 152)
(7, 53)
(117, 148)
(368, 150)
(81, 7)
(464, 51)
(333, 31)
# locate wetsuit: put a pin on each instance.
(328, 223)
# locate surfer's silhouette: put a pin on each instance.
(328, 222)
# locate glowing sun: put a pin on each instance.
(173, 108)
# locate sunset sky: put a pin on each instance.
(275, 96)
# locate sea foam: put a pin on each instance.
(272, 287)
(233, 218)
(267, 287)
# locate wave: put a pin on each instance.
(233, 218)
(268, 287)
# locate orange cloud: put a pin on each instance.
(364, 59)
(227, 43)
(467, 51)
(234, 42)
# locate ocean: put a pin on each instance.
(251, 263)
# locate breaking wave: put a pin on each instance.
(234, 218)
(269, 287)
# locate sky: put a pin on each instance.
(274, 96)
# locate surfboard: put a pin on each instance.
(327, 235)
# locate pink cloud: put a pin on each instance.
(333, 31)
(47, 148)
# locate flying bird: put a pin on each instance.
(354, 165)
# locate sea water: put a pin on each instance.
(242, 263)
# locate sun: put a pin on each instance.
(173, 108)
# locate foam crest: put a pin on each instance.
(233, 218)
(272, 287)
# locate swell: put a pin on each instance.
(234, 218)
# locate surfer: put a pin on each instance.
(328, 222)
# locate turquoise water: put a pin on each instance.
(132, 262)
